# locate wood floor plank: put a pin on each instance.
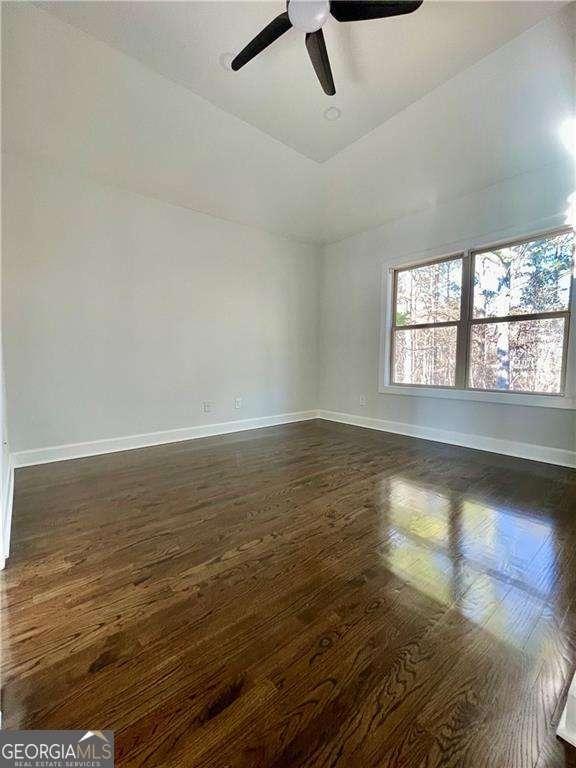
(305, 595)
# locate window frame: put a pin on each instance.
(465, 324)
(458, 324)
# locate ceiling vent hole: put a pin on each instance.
(332, 113)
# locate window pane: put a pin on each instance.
(522, 355)
(429, 294)
(524, 279)
(425, 356)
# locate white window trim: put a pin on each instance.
(566, 401)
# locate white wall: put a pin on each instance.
(351, 302)
(494, 98)
(86, 106)
(6, 468)
(492, 121)
(91, 108)
(6, 471)
(123, 313)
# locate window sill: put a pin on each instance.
(501, 398)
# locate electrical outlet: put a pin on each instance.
(237, 403)
(363, 401)
(207, 406)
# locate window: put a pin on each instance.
(491, 319)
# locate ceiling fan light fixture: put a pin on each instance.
(308, 15)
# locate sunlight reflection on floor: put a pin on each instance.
(493, 563)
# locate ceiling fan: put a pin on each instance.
(309, 16)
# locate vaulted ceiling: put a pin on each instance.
(380, 67)
(436, 104)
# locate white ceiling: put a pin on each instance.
(380, 67)
(78, 105)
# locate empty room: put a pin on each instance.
(288, 384)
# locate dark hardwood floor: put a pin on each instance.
(306, 595)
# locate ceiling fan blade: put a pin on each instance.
(263, 39)
(320, 61)
(360, 10)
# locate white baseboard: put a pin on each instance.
(567, 725)
(114, 444)
(479, 442)
(6, 521)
